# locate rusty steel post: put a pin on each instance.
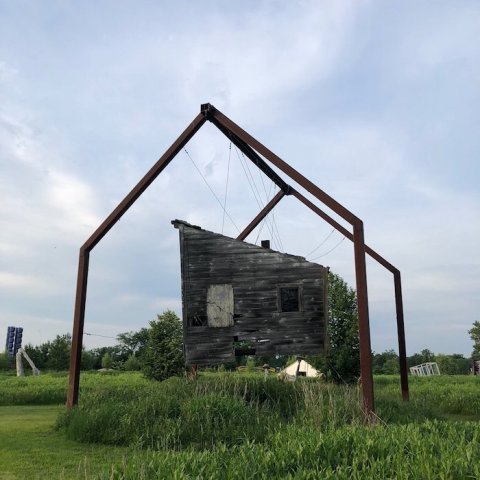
(77, 335)
(146, 181)
(98, 234)
(264, 212)
(402, 352)
(218, 118)
(254, 157)
(363, 319)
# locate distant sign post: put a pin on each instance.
(14, 340)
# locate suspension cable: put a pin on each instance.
(257, 195)
(265, 219)
(321, 243)
(211, 190)
(226, 185)
(272, 213)
(252, 187)
(331, 250)
(97, 335)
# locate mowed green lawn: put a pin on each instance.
(30, 448)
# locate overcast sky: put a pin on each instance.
(378, 103)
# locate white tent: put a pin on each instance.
(305, 370)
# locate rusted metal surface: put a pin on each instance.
(363, 318)
(100, 232)
(234, 291)
(402, 353)
(77, 335)
(248, 151)
(249, 146)
(145, 182)
(265, 211)
(214, 115)
(219, 118)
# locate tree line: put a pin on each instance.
(157, 350)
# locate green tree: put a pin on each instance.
(424, 356)
(455, 364)
(385, 363)
(107, 361)
(5, 362)
(58, 352)
(38, 354)
(89, 360)
(343, 356)
(163, 357)
(132, 363)
(133, 343)
(474, 333)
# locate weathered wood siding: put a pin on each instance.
(256, 274)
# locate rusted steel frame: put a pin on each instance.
(259, 162)
(262, 214)
(77, 334)
(100, 232)
(359, 244)
(363, 319)
(218, 118)
(145, 182)
(254, 157)
(402, 353)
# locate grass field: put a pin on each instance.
(235, 426)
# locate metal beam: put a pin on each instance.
(260, 163)
(77, 334)
(249, 146)
(262, 214)
(288, 189)
(254, 157)
(402, 353)
(218, 118)
(366, 373)
(100, 232)
(145, 182)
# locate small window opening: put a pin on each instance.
(289, 299)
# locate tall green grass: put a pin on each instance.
(179, 413)
(227, 425)
(431, 450)
(430, 397)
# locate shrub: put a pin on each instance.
(132, 364)
(107, 361)
(163, 356)
(5, 362)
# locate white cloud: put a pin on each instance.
(29, 284)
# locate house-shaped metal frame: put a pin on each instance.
(259, 155)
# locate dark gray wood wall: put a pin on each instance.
(256, 275)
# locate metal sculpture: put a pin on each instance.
(254, 150)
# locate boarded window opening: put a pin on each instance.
(220, 305)
(289, 299)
